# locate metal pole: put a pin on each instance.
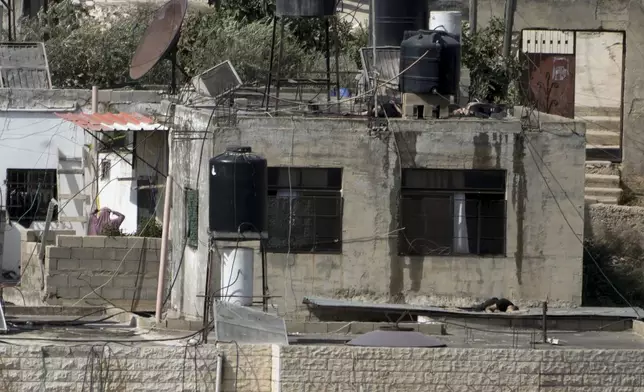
(208, 298)
(262, 248)
(164, 245)
(544, 321)
(373, 62)
(279, 67)
(94, 99)
(473, 16)
(510, 5)
(336, 30)
(270, 66)
(328, 61)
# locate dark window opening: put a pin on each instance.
(106, 168)
(192, 217)
(29, 192)
(305, 212)
(452, 212)
(112, 140)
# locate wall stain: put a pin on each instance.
(497, 148)
(519, 199)
(396, 262)
(482, 152)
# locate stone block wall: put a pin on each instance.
(153, 368)
(99, 270)
(342, 368)
(174, 367)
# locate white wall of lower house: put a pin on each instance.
(116, 188)
(35, 140)
(134, 187)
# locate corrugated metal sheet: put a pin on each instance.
(113, 122)
(625, 312)
(387, 64)
(24, 65)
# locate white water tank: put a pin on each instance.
(237, 275)
(449, 21)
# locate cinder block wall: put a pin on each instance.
(31, 277)
(122, 271)
(342, 368)
(112, 367)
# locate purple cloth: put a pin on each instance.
(101, 220)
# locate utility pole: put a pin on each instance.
(473, 17)
(373, 62)
(510, 5)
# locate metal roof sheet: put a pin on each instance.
(113, 122)
(24, 65)
(622, 312)
(396, 339)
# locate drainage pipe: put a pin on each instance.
(164, 246)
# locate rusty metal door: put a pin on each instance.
(551, 83)
(549, 73)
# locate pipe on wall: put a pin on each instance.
(164, 246)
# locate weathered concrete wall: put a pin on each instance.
(620, 15)
(69, 99)
(122, 271)
(341, 368)
(605, 223)
(151, 368)
(543, 254)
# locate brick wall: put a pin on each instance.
(81, 368)
(118, 270)
(341, 368)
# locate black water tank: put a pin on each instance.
(438, 71)
(238, 193)
(305, 8)
(424, 76)
(450, 64)
(393, 18)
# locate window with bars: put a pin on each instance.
(452, 212)
(192, 217)
(29, 192)
(305, 211)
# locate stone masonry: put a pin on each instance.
(121, 271)
(171, 367)
(341, 368)
(117, 368)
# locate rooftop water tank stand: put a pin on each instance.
(324, 9)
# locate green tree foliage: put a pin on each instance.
(85, 51)
(492, 76)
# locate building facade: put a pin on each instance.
(607, 38)
(440, 212)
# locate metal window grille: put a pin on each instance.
(106, 166)
(192, 217)
(28, 194)
(435, 225)
(310, 210)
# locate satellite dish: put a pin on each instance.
(160, 39)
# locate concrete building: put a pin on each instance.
(36, 149)
(606, 36)
(387, 224)
(46, 157)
